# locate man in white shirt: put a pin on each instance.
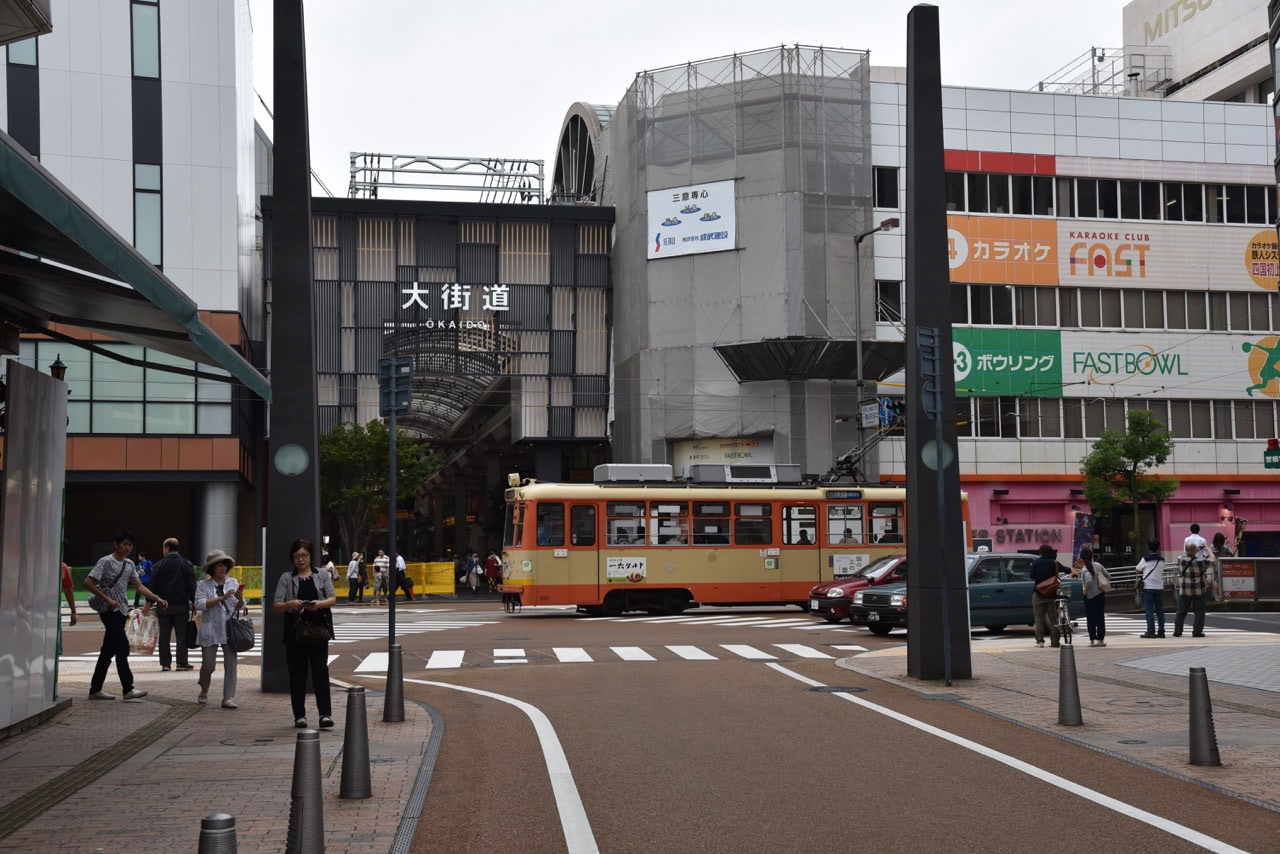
(381, 577)
(1201, 544)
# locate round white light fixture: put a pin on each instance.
(292, 460)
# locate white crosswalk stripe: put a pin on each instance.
(445, 659)
(802, 650)
(569, 655)
(692, 653)
(353, 632)
(748, 652)
(374, 662)
(631, 653)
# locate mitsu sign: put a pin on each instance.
(692, 220)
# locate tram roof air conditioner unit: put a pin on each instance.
(745, 473)
(632, 473)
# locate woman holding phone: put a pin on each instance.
(305, 597)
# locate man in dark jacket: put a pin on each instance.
(1044, 607)
(174, 579)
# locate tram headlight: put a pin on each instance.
(898, 599)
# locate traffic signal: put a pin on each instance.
(1271, 456)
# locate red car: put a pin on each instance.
(830, 599)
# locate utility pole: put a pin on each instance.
(395, 378)
(885, 225)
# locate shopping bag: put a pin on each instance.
(192, 635)
(142, 630)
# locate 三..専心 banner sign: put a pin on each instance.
(692, 220)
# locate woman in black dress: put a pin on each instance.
(305, 597)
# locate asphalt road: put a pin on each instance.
(734, 754)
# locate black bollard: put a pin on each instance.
(393, 701)
(1204, 741)
(355, 748)
(306, 806)
(1068, 688)
(217, 834)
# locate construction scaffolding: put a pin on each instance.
(497, 180)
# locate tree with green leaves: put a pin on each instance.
(354, 476)
(1118, 469)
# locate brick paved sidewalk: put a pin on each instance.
(155, 767)
(1134, 699)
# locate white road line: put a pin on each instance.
(374, 662)
(692, 653)
(578, 836)
(511, 661)
(748, 652)
(670, 619)
(706, 621)
(823, 626)
(445, 659)
(332, 659)
(849, 647)
(1195, 837)
(802, 650)
(570, 654)
(632, 653)
(510, 652)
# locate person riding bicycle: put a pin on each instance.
(1045, 607)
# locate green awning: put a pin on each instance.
(133, 301)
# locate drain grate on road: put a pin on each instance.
(831, 689)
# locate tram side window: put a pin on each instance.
(711, 523)
(752, 525)
(582, 525)
(551, 523)
(799, 525)
(514, 532)
(886, 523)
(669, 523)
(844, 524)
(625, 525)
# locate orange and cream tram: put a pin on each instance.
(637, 539)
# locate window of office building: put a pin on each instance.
(24, 52)
(148, 231)
(886, 178)
(105, 395)
(889, 303)
(146, 38)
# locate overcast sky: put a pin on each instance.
(494, 78)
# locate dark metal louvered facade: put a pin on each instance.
(511, 301)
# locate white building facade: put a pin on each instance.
(143, 110)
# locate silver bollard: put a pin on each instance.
(355, 748)
(1068, 688)
(1204, 741)
(393, 702)
(218, 834)
(306, 806)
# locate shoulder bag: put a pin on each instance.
(99, 604)
(309, 633)
(240, 631)
(1049, 586)
(1104, 580)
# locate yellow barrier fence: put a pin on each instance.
(428, 578)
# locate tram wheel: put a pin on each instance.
(614, 604)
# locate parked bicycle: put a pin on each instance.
(1064, 613)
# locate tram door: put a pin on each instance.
(800, 556)
(584, 554)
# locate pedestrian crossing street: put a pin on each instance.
(453, 659)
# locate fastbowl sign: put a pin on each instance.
(1051, 363)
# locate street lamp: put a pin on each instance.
(58, 370)
(884, 225)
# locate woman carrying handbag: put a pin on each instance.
(217, 599)
(305, 597)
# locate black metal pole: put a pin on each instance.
(293, 493)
